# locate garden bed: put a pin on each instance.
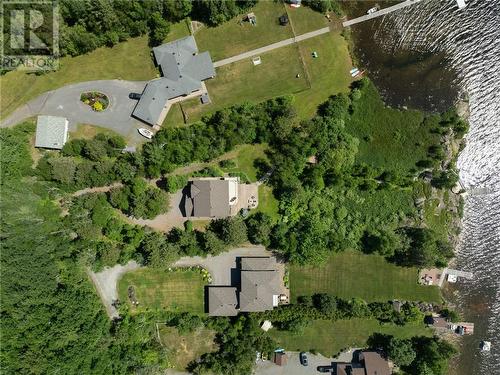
(95, 100)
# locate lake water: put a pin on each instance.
(426, 56)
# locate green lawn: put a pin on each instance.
(234, 37)
(242, 81)
(328, 73)
(176, 291)
(174, 116)
(85, 131)
(304, 19)
(245, 160)
(129, 60)
(329, 338)
(178, 30)
(182, 349)
(390, 138)
(268, 204)
(371, 277)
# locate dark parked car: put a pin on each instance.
(303, 359)
(325, 369)
(134, 95)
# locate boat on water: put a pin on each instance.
(145, 133)
(485, 346)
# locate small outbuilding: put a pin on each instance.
(51, 132)
(280, 358)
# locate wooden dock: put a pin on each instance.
(461, 4)
(380, 12)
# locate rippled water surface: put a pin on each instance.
(424, 56)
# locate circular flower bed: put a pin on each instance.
(96, 100)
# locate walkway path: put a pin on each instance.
(270, 47)
(379, 13)
(65, 102)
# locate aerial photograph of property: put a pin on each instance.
(239, 187)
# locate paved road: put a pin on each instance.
(270, 47)
(379, 13)
(65, 102)
(106, 284)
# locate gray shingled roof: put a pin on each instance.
(258, 264)
(222, 301)
(257, 290)
(209, 198)
(51, 132)
(183, 70)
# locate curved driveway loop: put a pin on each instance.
(65, 102)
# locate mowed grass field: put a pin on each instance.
(182, 349)
(175, 291)
(328, 73)
(130, 60)
(329, 338)
(370, 277)
(244, 82)
(234, 37)
(304, 19)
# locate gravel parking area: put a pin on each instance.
(106, 283)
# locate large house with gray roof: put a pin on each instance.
(51, 132)
(183, 70)
(212, 197)
(259, 289)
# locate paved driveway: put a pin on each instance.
(65, 102)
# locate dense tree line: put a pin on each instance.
(52, 320)
(296, 317)
(238, 339)
(89, 24)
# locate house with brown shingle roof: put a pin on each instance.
(370, 363)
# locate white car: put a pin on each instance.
(145, 133)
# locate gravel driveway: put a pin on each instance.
(65, 102)
(106, 283)
(220, 266)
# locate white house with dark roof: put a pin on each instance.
(51, 132)
(183, 70)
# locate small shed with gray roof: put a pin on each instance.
(51, 132)
(183, 71)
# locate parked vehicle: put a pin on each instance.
(372, 10)
(146, 133)
(303, 359)
(134, 96)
